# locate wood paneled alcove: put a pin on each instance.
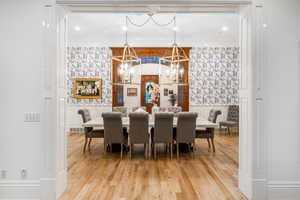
(151, 51)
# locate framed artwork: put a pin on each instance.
(166, 92)
(87, 88)
(131, 92)
(170, 91)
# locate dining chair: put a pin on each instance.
(174, 109)
(113, 130)
(135, 108)
(121, 109)
(208, 133)
(163, 131)
(232, 119)
(185, 131)
(138, 130)
(89, 132)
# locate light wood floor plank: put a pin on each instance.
(206, 176)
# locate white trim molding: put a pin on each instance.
(20, 189)
(283, 190)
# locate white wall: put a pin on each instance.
(21, 85)
(281, 102)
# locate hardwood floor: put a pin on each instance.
(207, 176)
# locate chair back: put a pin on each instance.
(233, 113)
(137, 107)
(213, 114)
(174, 109)
(113, 130)
(138, 127)
(86, 116)
(121, 109)
(163, 127)
(186, 126)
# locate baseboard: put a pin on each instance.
(48, 188)
(245, 184)
(259, 188)
(61, 182)
(22, 190)
(283, 190)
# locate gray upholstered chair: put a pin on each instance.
(208, 133)
(89, 132)
(138, 130)
(163, 131)
(185, 131)
(174, 109)
(113, 130)
(232, 118)
(137, 107)
(122, 110)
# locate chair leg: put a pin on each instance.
(171, 150)
(228, 130)
(89, 145)
(130, 150)
(84, 146)
(177, 149)
(145, 150)
(121, 151)
(154, 148)
(213, 144)
(194, 149)
(208, 143)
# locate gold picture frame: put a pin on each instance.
(87, 88)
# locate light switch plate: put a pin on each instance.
(32, 117)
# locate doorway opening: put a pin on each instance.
(224, 146)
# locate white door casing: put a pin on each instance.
(55, 72)
(245, 103)
(55, 174)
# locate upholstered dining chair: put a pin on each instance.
(113, 130)
(232, 118)
(208, 133)
(135, 108)
(163, 131)
(89, 132)
(185, 131)
(138, 131)
(121, 109)
(174, 109)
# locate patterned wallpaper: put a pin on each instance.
(89, 62)
(214, 75)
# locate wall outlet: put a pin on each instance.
(3, 174)
(23, 173)
(32, 117)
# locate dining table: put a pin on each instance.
(98, 123)
(200, 124)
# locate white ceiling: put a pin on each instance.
(193, 29)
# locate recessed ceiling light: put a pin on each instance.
(175, 28)
(124, 28)
(225, 28)
(265, 25)
(77, 28)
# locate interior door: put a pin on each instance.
(149, 93)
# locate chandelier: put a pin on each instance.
(126, 62)
(129, 58)
(175, 61)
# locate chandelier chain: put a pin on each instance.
(148, 19)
